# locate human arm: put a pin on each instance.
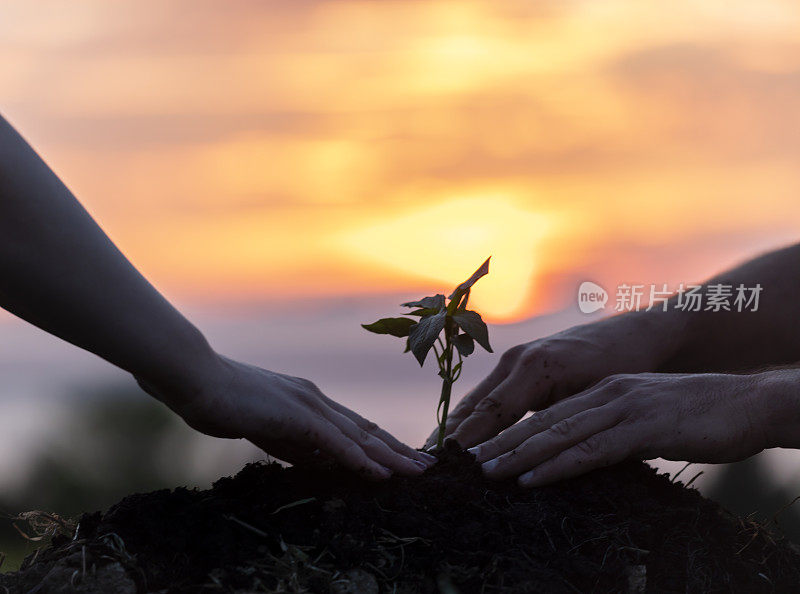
(534, 375)
(59, 271)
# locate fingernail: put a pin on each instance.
(475, 451)
(489, 466)
(420, 465)
(526, 479)
(428, 458)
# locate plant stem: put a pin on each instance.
(447, 386)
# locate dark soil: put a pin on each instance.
(269, 529)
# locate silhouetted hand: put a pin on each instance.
(534, 375)
(72, 281)
(694, 417)
(289, 418)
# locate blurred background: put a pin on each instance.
(284, 171)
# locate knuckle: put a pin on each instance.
(615, 384)
(630, 402)
(371, 427)
(306, 387)
(304, 398)
(616, 379)
(488, 404)
(631, 406)
(541, 418)
(460, 412)
(531, 356)
(590, 447)
(453, 420)
(516, 351)
(512, 354)
(562, 428)
(352, 451)
(605, 381)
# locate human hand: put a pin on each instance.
(288, 417)
(694, 417)
(531, 376)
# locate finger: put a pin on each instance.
(466, 405)
(563, 435)
(539, 421)
(504, 406)
(375, 448)
(329, 438)
(389, 439)
(600, 450)
(311, 397)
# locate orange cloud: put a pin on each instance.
(272, 149)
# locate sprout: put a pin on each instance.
(462, 329)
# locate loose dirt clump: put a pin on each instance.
(271, 529)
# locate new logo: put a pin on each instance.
(591, 297)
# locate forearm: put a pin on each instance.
(741, 340)
(59, 271)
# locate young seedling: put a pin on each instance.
(461, 327)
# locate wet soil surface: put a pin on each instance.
(270, 529)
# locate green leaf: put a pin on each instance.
(399, 327)
(462, 289)
(464, 343)
(424, 334)
(425, 311)
(472, 323)
(435, 302)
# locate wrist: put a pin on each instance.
(670, 334)
(650, 338)
(182, 373)
(670, 331)
(778, 405)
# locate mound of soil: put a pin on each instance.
(270, 529)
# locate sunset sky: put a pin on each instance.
(286, 170)
(252, 151)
